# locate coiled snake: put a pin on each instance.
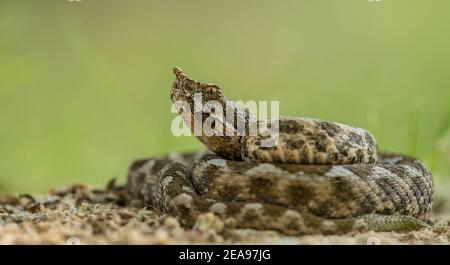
(321, 177)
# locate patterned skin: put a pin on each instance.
(321, 177)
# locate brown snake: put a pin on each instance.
(321, 177)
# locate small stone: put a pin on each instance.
(34, 207)
(171, 223)
(209, 222)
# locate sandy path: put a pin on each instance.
(79, 214)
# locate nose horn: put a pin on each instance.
(177, 71)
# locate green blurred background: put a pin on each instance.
(84, 86)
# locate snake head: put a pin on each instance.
(184, 89)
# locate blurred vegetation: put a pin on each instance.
(84, 86)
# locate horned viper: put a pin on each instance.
(320, 177)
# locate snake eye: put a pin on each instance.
(211, 88)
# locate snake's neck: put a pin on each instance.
(214, 119)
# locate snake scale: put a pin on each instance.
(321, 177)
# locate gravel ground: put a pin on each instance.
(83, 215)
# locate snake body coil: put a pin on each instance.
(321, 177)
